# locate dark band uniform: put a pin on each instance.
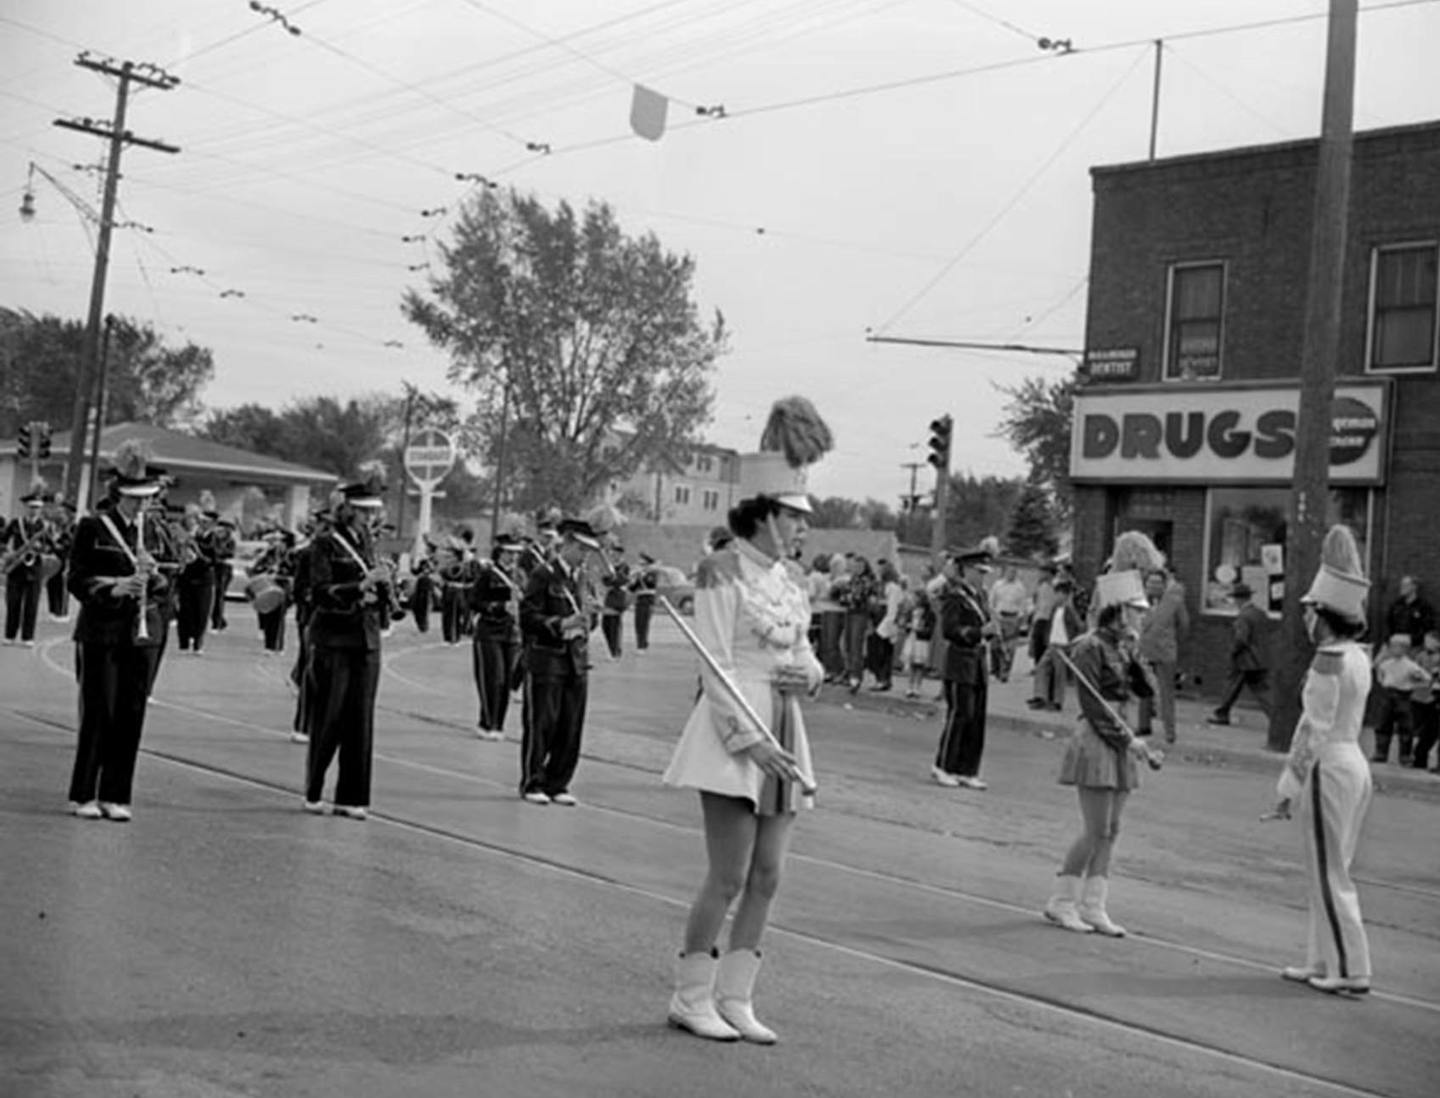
(224, 549)
(962, 621)
(645, 586)
(557, 684)
(23, 581)
(495, 651)
(344, 636)
(114, 666)
(197, 592)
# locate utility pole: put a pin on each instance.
(127, 73)
(410, 393)
(1319, 362)
(912, 501)
(100, 408)
(1155, 97)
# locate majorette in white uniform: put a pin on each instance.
(753, 618)
(1327, 779)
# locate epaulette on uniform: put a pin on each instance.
(1328, 661)
(719, 568)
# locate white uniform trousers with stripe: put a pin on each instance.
(1331, 811)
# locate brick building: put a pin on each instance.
(1185, 425)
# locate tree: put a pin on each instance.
(834, 513)
(977, 508)
(1032, 525)
(1037, 421)
(584, 341)
(40, 357)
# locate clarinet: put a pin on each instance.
(142, 627)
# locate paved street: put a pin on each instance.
(461, 942)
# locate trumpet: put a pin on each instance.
(28, 554)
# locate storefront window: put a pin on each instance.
(1246, 541)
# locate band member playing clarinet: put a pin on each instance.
(346, 589)
(118, 637)
(26, 540)
(495, 601)
(555, 619)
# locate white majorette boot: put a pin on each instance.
(692, 1007)
(734, 987)
(1092, 908)
(1061, 909)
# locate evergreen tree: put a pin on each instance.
(1032, 525)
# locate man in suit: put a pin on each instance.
(555, 622)
(1248, 665)
(965, 624)
(26, 540)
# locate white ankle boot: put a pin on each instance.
(1061, 909)
(1092, 908)
(692, 1007)
(734, 988)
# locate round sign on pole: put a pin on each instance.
(430, 455)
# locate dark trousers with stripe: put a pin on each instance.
(22, 603)
(554, 721)
(223, 574)
(1332, 810)
(114, 691)
(345, 682)
(272, 628)
(493, 661)
(962, 741)
(56, 594)
(194, 616)
(644, 611)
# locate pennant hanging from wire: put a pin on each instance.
(647, 113)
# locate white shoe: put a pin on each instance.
(566, 799)
(1092, 908)
(299, 737)
(1061, 908)
(971, 782)
(734, 990)
(27, 644)
(90, 810)
(692, 1007)
(353, 811)
(536, 797)
(489, 735)
(120, 813)
(1300, 974)
(945, 778)
(315, 808)
(1341, 985)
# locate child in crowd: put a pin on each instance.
(921, 628)
(1425, 712)
(1398, 676)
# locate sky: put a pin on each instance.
(912, 169)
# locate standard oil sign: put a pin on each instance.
(1212, 435)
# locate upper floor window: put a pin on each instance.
(1194, 313)
(710, 499)
(1403, 298)
(704, 463)
(682, 493)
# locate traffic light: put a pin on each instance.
(25, 441)
(940, 442)
(43, 442)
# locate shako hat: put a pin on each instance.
(1340, 585)
(578, 530)
(1126, 588)
(795, 437)
(976, 556)
(130, 472)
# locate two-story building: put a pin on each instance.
(1186, 425)
(698, 493)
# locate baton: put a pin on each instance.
(807, 783)
(1152, 759)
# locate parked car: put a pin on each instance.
(676, 587)
(246, 553)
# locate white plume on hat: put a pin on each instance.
(794, 437)
(1340, 584)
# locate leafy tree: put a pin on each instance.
(1032, 525)
(584, 339)
(976, 508)
(1037, 421)
(40, 359)
(835, 513)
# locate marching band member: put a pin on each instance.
(315, 528)
(556, 616)
(26, 540)
(118, 637)
(454, 578)
(224, 552)
(495, 650)
(197, 577)
(643, 587)
(62, 525)
(752, 620)
(1326, 771)
(346, 587)
(422, 589)
(276, 563)
(616, 600)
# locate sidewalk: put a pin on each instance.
(1239, 745)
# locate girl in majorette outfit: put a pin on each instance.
(1326, 774)
(752, 622)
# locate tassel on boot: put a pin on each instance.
(1092, 908)
(1061, 908)
(734, 990)
(692, 1007)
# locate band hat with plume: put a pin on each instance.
(37, 495)
(1340, 585)
(207, 504)
(795, 437)
(130, 473)
(368, 490)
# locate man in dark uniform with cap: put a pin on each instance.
(495, 649)
(555, 622)
(26, 540)
(645, 585)
(964, 622)
(224, 552)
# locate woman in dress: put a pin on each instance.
(1100, 760)
(1326, 771)
(752, 617)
